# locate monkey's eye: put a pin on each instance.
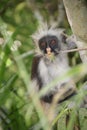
(53, 43)
(42, 45)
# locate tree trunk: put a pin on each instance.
(76, 11)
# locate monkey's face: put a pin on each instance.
(49, 45)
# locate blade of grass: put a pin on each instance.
(25, 77)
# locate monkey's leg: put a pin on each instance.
(48, 110)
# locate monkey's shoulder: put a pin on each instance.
(34, 68)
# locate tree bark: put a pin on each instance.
(76, 11)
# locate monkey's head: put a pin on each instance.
(49, 45)
(48, 42)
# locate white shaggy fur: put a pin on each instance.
(50, 71)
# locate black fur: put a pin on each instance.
(34, 71)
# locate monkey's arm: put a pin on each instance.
(34, 72)
(71, 42)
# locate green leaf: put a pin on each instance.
(5, 90)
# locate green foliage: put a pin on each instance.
(19, 105)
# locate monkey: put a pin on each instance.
(49, 64)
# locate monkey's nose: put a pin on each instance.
(48, 50)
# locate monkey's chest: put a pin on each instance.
(49, 73)
(55, 70)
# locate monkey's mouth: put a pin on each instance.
(50, 56)
(52, 52)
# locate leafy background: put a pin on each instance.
(19, 108)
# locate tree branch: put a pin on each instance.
(73, 50)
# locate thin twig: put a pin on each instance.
(62, 51)
(73, 50)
